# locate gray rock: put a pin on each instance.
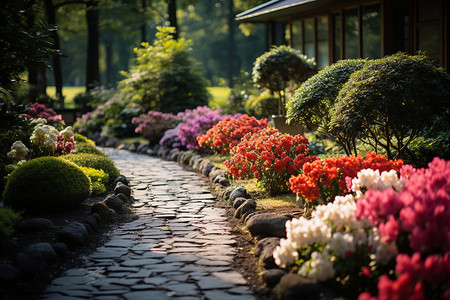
(249, 204)
(35, 258)
(194, 160)
(216, 172)
(35, 224)
(122, 179)
(103, 211)
(123, 146)
(60, 248)
(114, 202)
(123, 197)
(8, 275)
(122, 188)
(240, 191)
(111, 142)
(267, 225)
(94, 221)
(238, 202)
(206, 168)
(74, 234)
(223, 181)
(249, 212)
(293, 286)
(264, 250)
(142, 148)
(272, 277)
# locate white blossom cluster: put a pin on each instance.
(18, 151)
(369, 179)
(336, 226)
(45, 137)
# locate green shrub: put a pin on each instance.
(98, 179)
(87, 148)
(278, 68)
(313, 100)
(388, 102)
(46, 183)
(262, 106)
(79, 138)
(8, 218)
(99, 162)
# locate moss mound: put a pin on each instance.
(46, 183)
(87, 148)
(79, 138)
(99, 162)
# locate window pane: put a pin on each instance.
(309, 30)
(351, 33)
(297, 35)
(309, 50)
(323, 53)
(428, 10)
(371, 32)
(401, 28)
(429, 40)
(337, 37)
(322, 28)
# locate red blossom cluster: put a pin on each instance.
(41, 111)
(228, 133)
(328, 178)
(64, 146)
(417, 220)
(269, 156)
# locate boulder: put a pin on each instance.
(272, 277)
(142, 148)
(215, 171)
(206, 167)
(267, 225)
(122, 188)
(94, 221)
(222, 180)
(35, 258)
(35, 224)
(122, 179)
(238, 202)
(111, 142)
(239, 191)
(103, 211)
(264, 250)
(8, 275)
(114, 202)
(293, 287)
(60, 248)
(74, 234)
(123, 197)
(249, 204)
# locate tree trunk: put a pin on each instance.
(172, 10)
(37, 81)
(230, 42)
(92, 67)
(110, 73)
(143, 26)
(57, 73)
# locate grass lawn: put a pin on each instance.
(220, 96)
(69, 92)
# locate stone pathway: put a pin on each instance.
(180, 247)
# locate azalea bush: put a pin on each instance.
(416, 220)
(38, 110)
(269, 156)
(197, 122)
(322, 180)
(226, 134)
(153, 124)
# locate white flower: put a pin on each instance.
(385, 252)
(285, 254)
(341, 243)
(18, 151)
(369, 179)
(67, 133)
(319, 267)
(38, 121)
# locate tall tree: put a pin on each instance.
(231, 25)
(92, 66)
(172, 12)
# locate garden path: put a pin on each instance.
(180, 247)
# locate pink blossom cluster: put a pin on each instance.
(153, 124)
(38, 110)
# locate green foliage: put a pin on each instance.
(8, 218)
(87, 148)
(390, 100)
(279, 67)
(262, 106)
(46, 183)
(98, 180)
(24, 42)
(165, 77)
(313, 100)
(99, 162)
(79, 138)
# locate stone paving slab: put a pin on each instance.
(181, 247)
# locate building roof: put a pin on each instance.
(273, 8)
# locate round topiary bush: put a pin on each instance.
(99, 162)
(87, 148)
(46, 183)
(79, 138)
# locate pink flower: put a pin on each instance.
(389, 230)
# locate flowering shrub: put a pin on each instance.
(269, 156)
(41, 111)
(153, 124)
(416, 219)
(197, 122)
(322, 180)
(18, 151)
(170, 138)
(335, 245)
(228, 133)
